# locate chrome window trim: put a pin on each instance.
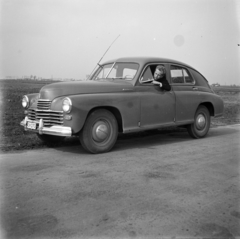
(110, 70)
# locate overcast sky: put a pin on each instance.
(66, 38)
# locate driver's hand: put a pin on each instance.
(157, 83)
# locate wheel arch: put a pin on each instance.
(114, 111)
(209, 106)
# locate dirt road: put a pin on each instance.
(161, 185)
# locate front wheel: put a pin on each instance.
(100, 132)
(201, 125)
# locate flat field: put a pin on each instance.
(13, 137)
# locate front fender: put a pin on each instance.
(127, 103)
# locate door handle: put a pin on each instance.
(195, 88)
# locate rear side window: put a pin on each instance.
(201, 81)
(180, 75)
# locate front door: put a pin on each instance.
(157, 105)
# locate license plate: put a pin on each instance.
(31, 125)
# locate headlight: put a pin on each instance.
(25, 102)
(67, 105)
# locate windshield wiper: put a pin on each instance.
(120, 77)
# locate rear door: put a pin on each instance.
(187, 95)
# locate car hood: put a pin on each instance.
(54, 90)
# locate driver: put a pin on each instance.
(159, 78)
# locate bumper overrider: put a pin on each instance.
(38, 127)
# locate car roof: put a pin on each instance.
(144, 60)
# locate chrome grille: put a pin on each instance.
(43, 104)
(50, 117)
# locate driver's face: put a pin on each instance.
(158, 74)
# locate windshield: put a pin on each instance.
(117, 70)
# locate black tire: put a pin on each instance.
(100, 132)
(50, 140)
(201, 125)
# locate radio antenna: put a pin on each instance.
(108, 49)
(103, 56)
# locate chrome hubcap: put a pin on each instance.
(100, 131)
(200, 121)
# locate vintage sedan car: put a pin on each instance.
(119, 98)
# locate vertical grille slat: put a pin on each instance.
(50, 117)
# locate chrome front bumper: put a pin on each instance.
(57, 130)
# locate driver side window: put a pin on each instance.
(148, 74)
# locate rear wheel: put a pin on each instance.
(201, 124)
(50, 140)
(100, 132)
